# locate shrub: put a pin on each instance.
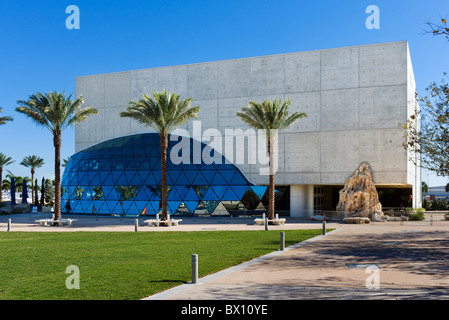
(420, 210)
(417, 216)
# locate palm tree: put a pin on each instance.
(4, 161)
(447, 188)
(163, 113)
(55, 111)
(3, 120)
(272, 117)
(32, 162)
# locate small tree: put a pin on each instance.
(4, 161)
(42, 193)
(36, 198)
(33, 162)
(427, 130)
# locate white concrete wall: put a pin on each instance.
(355, 97)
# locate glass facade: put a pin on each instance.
(122, 177)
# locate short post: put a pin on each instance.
(266, 223)
(324, 226)
(282, 240)
(9, 224)
(431, 219)
(194, 268)
(136, 225)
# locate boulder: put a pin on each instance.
(359, 196)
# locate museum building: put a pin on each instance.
(356, 99)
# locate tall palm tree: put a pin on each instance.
(4, 161)
(55, 111)
(163, 112)
(33, 162)
(271, 116)
(3, 120)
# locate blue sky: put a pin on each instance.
(39, 54)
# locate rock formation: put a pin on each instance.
(359, 196)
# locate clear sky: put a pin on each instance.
(39, 54)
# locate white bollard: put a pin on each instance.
(194, 268)
(324, 227)
(136, 225)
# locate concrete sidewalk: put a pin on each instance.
(413, 259)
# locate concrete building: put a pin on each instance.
(355, 97)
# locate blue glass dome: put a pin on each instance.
(122, 177)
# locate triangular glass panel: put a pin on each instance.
(219, 191)
(218, 180)
(191, 195)
(210, 205)
(141, 205)
(106, 178)
(154, 205)
(172, 176)
(110, 193)
(220, 210)
(239, 191)
(230, 195)
(259, 191)
(200, 179)
(174, 195)
(172, 206)
(200, 191)
(191, 205)
(182, 179)
(238, 179)
(211, 195)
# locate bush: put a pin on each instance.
(419, 210)
(419, 216)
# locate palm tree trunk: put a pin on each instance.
(32, 187)
(164, 142)
(271, 184)
(57, 145)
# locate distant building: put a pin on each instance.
(436, 193)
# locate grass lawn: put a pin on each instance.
(123, 265)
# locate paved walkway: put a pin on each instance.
(412, 257)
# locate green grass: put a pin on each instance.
(123, 265)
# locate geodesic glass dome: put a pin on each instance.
(122, 177)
